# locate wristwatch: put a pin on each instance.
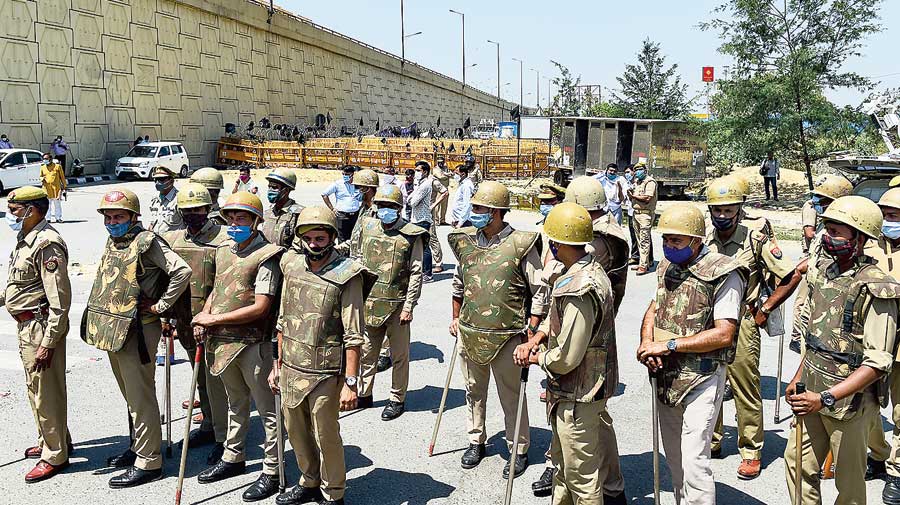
(827, 400)
(351, 381)
(764, 310)
(671, 345)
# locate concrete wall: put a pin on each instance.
(102, 72)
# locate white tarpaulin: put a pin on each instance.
(535, 127)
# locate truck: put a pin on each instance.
(674, 152)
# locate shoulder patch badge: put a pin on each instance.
(51, 264)
(776, 251)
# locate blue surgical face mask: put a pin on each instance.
(480, 220)
(161, 186)
(240, 233)
(611, 177)
(347, 178)
(640, 174)
(554, 249)
(629, 177)
(387, 215)
(678, 256)
(891, 229)
(722, 223)
(272, 195)
(15, 224)
(817, 205)
(545, 209)
(117, 230)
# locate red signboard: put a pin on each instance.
(708, 74)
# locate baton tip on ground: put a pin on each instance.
(430, 450)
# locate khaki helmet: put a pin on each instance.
(491, 194)
(26, 194)
(315, 216)
(209, 177)
(388, 193)
(284, 176)
(161, 172)
(682, 219)
(742, 183)
(551, 191)
(857, 212)
(569, 223)
(833, 186)
(724, 191)
(193, 195)
(587, 192)
(895, 181)
(366, 178)
(120, 198)
(891, 198)
(246, 201)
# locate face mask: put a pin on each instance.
(722, 223)
(678, 256)
(240, 233)
(45, 162)
(554, 249)
(347, 178)
(891, 230)
(629, 177)
(15, 224)
(456, 177)
(611, 177)
(817, 205)
(117, 230)
(418, 176)
(272, 195)
(387, 216)
(480, 220)
(545, 209)
(359, 195)
(195, 221)
(316, 253)
(640, 174)
(161, 186)
(838, 247)
(245, 177)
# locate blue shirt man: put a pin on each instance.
(345, 195)
(5, 143)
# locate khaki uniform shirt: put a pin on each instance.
(158, 261)
(886, 256)
(770, 259)
(414, 290)
(275, 220)
(164, 214)
(808, 217)
(531, 270)
(647, 187)
(39, 265)
(442, 175)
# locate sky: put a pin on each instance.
(593, 38)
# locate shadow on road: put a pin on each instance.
(420, 351)
(428, 399)
(405, 488)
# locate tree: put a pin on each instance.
(798, 48)
(649, 89)
(566, 101)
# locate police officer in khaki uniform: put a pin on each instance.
(123, 318)
(499, 272)
(643, 201)
(320, 331)
(393, 248)
(281, 218)
(236, 324)
(580, 362)
(687, 338)
(164, 214)
(443, 174)
(849, 347)
(38, 296)
(214, 183)
(764, 262)
(196, 244)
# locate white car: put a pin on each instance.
(143, 158)
(19, 167)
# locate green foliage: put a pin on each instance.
(649, 90)
(566, 102)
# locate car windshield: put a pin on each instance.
(142, 152)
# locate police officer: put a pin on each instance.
(474, 171)
(687, 338)
(443, 174)
(366, 183)
(38, 296)
(196, 244)
(394, 248)
(214, 183)
(763, 260)
(643, 201)
(164, 214)
(123, 318)
(580, 361)
(235, 322)
(281, 218)
(498, 273)
(850, 340)
(319, 333)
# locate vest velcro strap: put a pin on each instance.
(853, 360)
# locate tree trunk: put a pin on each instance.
(806, 161)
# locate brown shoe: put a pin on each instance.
(641, 271)
(198, 419)
(33, 452)
(185, 404)
(635, 266)
(44, 470)
(749, 469)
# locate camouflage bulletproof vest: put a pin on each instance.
(112, 307)
(597, 376)
(199, 252)
(279, 229)
(386, 253)
(834, 338)
(495, 298)
(684, 307)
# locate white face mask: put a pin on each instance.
(15, 224)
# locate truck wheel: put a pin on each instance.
(184, 171)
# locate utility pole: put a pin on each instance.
(498, 77)
(463, 16)
(402, 37)
(521, 89)
(537, 88)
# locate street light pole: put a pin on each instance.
(521, 89)
(537, 87)
(498, 66)
(463, 16)
(402, 37)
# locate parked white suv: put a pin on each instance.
(143, 158)
(19, 167)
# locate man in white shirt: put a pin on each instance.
(427, 193)
(771, 172)
(462, 201)
(615, 190)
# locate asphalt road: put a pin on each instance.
(387, 462)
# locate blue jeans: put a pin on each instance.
(427, 265)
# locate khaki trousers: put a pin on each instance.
(846, 440)
(315, 436)
(138, 385)
(584, 453)
(880, 448)
(213, 401)
(643, 222)
(46, 392)
(398, 335)
(437, 255)
(439, 214)
(478, 378)
(745, 383)
(686, 432)
(245, 377)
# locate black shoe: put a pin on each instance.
(384, 362)
(215, 455)
(393, 410)
(364, 402)
(619, 499)
(728, 395)
(875, 469)
(264, 487)
(339, 501)
(134, 476)
(199, 438)
(543, 486)
(715, 453)
(220, 471)
(123, 460)
(891, 493)
(300, 495)
(521, 465)
(472, 456)
(794, 346)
